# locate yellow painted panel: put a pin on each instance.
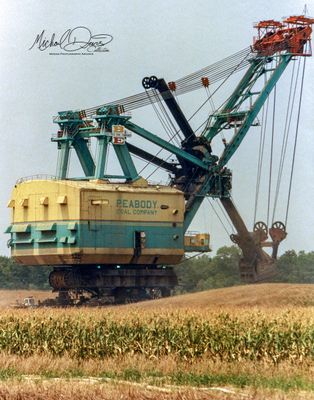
(133, 206)
(44, 201)
(62, 200)
(23, 202)
(199, 239)
(75, 200)
(35, 190)
(11, 203)
(53, 256)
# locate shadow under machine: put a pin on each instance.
(116, 235)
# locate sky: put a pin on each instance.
(168, 39)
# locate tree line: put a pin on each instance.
(222, 270)
(194, 274)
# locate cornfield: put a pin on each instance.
(187, 336)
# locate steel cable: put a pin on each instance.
(260, 156)
(288, 120)
(215, 72)
(295, 143)
(198, 109)
(271, 156)
(217, 215)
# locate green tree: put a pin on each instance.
(203, 272)
(296, 268)
(14, 276)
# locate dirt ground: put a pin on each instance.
(259, 295)
(9, 297)
(265, 295)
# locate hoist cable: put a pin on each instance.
(160, 150)
(215, 66)
(213, 107)
(295, 142)
(271, 155)
(147, 93)
(210, 98)
(207, 127)
(193, 115)
(189, 258)
(163, 120)
(289, 113)
(260, 161)
(217, 215)
(224, 213)
(260, 156)
(200, 126)
(215, 91)
(161, 116)
(215, 72)
(182, 90)
(172, 129)
(140, 100)
(210, 72)
(213, 76)
(157, 112)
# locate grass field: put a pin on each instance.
(251, 342)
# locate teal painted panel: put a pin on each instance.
(21, 228)
(48, 240)
(21, 242)
(72, 226)
(46, 227)
(8, 230)
(97, 234)
(71, 239)
(193, 249)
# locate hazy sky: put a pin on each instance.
(166, 38)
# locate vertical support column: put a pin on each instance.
(84, 156)
(126, 162)
(101, 157)
(64, 159)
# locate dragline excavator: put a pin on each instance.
(116, 235)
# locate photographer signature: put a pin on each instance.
(79, 38)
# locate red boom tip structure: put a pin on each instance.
(292, 35)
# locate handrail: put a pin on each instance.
(37, 177)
